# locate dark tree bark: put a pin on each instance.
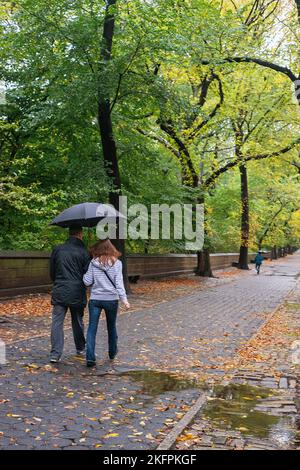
(263, 63)
(180, 148)
(298, 8)
(274, 253)
(109, 146)
(203, 263)
(239, 141)
(243, 258)
(247, 158)
(281, 252)
(269, 226)
(190, 179)
(203, 256)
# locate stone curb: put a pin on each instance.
(183, 423)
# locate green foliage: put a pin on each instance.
(173, 116)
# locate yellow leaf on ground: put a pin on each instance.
(186, 437)
(242, 429)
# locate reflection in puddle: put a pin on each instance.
(230, 407)
(233, 407)
(154, 382)
(242, 391)
(283, 433)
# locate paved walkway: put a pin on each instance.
(259, 408)
(163, 350)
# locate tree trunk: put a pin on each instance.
(274, 253)
(298, 8)
(203, 263)
(112, 169)
(203, 256)
(109, 147)
(243, 258)
(281, 252)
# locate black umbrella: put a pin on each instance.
(87, 214)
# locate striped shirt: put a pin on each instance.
(101, 287)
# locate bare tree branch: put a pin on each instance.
(211, 179)
(122, 74)
(264, 63)
(161, 140)
(200, 126)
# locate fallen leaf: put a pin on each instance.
(186, 437)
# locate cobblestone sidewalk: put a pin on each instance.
(259, 409)
(168, 353)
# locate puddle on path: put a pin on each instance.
(230, 407)
(155, 382)
(233, 408)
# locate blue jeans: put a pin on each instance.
(95, 308)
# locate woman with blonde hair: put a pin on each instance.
(104, 275)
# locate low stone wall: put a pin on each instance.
(23, 272)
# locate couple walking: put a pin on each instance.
(72, 269)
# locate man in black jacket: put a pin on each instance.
(68, 264)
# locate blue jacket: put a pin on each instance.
(258, 258)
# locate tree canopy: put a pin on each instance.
(194, 90)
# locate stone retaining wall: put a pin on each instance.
(24, 272)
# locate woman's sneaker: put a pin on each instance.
(53, 360)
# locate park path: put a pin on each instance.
(165, 351)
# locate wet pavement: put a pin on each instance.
(240, 416)
(164, 351)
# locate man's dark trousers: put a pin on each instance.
(68, 263)
(57, 330)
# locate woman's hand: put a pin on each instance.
(126, 304)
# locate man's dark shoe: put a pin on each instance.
(91, 364)
(112, 356)
(80, 352)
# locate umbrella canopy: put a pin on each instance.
(87, 214)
